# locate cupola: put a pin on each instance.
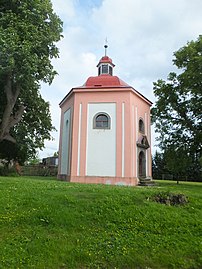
(105, 65)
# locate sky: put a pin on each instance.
(142, 36)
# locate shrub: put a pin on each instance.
(3, 171)
(7, 171)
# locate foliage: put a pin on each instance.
(30, 133)
(34, 161)
(8, 171)
(56, 154)
(174, 163)
(28, 31)
(178, 162)
(97, 226)
(158, 165)
(177, 112)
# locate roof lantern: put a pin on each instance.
(105, 65)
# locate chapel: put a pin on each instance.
(105, 131)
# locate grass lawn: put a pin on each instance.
(50, 224)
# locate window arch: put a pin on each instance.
(101, 121)
(141, 126)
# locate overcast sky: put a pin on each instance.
(142, 36)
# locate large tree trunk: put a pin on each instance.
(10, 118)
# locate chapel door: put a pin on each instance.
(142, 164)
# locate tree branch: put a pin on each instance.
(9, 138)
(17, 117)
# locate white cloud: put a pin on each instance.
(64, 8)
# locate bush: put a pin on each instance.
(5, 171)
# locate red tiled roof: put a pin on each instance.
(104, 81)
(106, 59)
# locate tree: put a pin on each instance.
(177, 113)
(28, 32)
(178, 162)
(158, 165)
(56, 154)
(34, 127)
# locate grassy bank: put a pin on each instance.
(50, 224)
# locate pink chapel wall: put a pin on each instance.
(69, 104)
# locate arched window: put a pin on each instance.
(141, 126)
(101, 121)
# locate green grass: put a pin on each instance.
(56, 225)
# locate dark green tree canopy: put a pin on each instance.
(29, 30)
(177, 113)
(158, 165)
